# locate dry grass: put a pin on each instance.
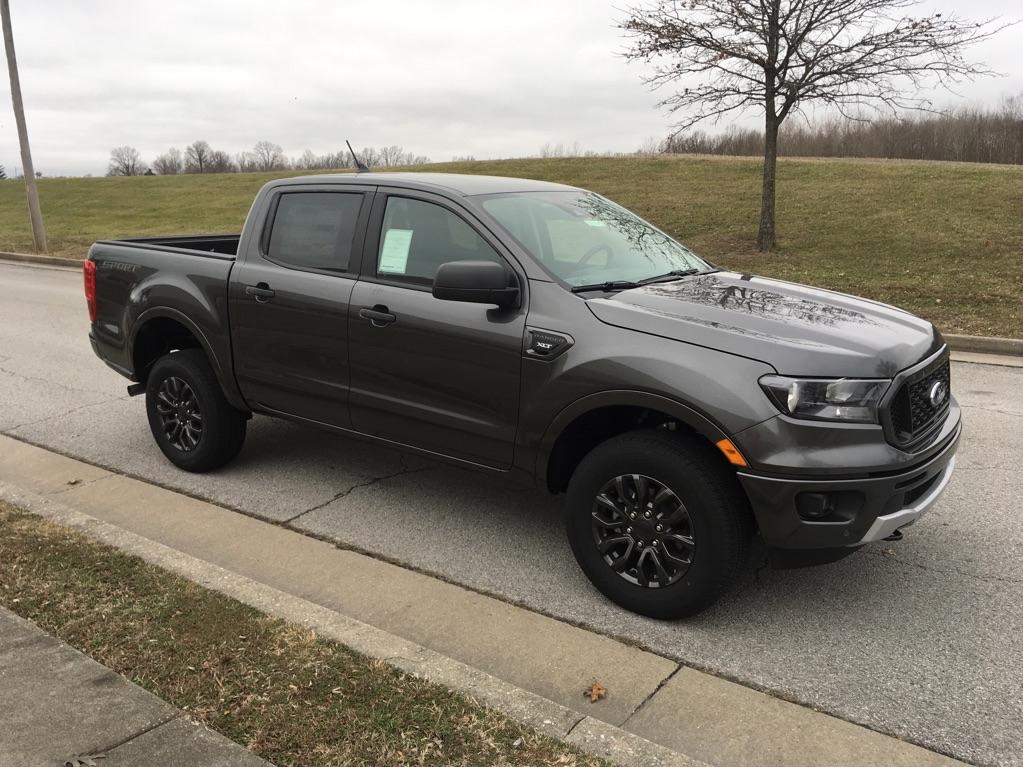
(285, 693)
(944, 240)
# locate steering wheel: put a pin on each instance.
(594, 251)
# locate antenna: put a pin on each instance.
(359, 164)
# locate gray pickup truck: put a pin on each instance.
(542, 331)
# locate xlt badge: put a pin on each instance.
(546, 344)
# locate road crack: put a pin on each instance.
(62, 414)
(991, 410)
(990, 579)
(368, 483)
(37, 379)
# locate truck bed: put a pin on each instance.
(223, 244)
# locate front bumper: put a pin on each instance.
(865, 509)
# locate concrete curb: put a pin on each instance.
(550, 718)
(985, 344)
(32, 258)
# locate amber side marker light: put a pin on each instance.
(731, 452)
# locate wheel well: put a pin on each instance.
(156, 338)
(593, 427)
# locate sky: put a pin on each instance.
(442, 78)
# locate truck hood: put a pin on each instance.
(797, 329)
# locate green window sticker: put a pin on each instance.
(394, 253)
(595, 222)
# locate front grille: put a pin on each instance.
(913, 417)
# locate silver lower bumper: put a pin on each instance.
(889, 523)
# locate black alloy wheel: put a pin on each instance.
(180, 414)
(643, 531)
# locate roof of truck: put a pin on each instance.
(464, 185)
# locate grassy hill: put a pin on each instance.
(944, 240)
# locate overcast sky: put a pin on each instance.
(488, 78)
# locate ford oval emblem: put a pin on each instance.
(938, 393)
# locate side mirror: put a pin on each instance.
(477, 282)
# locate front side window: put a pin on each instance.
(583, 238)
(315, 230)
(418, 236)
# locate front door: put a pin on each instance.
(289, 304)
(438, 375)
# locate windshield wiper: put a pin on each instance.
(674, 274)
(606, 286)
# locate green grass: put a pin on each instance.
(288, 695)
(943, 240)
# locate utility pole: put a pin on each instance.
(38, 233)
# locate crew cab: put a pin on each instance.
(544, 332)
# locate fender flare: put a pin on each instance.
(688, 415)
(225, 377)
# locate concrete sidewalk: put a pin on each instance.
(59, 705)
(530, 666)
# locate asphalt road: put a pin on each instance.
(922, 639)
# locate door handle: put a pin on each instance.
(378, 316)
(261, 292)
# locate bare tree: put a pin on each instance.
(197, 157)
(3, 173)
(781, 56)
(269, 156)
(220, 161)
(169, 163)
(125, 161)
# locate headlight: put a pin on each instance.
(835, 399)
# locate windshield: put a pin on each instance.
(585, 239)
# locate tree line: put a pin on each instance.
(969, 134)
(200, 157)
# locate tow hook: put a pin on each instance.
(896, 536)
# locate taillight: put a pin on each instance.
(89, 273)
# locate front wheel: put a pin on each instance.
(191, 420)
(657, 523)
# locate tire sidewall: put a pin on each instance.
(711, 565)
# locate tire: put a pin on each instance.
(712, 530)
(211, 431)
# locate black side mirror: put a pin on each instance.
(477, 282)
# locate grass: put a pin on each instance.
(944, 240)
(288, 695)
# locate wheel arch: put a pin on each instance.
(592, 419)
(160, 330)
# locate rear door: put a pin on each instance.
(438, 375)
(289, 302)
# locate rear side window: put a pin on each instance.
(315, 230)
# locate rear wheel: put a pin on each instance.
(657, 523)
(191, 420)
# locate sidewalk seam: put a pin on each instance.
(656, 690)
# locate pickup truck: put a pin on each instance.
(544, 332)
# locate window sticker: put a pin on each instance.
(394, 253)
(595, 222)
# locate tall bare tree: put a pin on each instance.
(781, 56)
(197, 157)
(169, 163)
(125, 161)
(268, 156)
(220, 161)
(34, 211)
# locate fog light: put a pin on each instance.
(814, 506)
